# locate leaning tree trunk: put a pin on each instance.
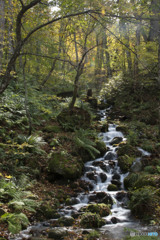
(159, 73)
(2, 29)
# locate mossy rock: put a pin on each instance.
(57, 233)
(101, 147)
(64, 165)
(122, 128)
(125, 162)
(66, 221)
(104, 128)
(130, 180)
(91, 220)
(74, 119)
(101, 209)
(53, 128)
(126, 149)
(112, 187)
(46, 211)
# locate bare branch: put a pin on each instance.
(21, 1)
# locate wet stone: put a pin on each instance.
(91, 176)
(114, 220)
(116, 182)
(116, 176)
(57, 233)
(110, 156)
(112, 187)
(116, 140)
(73, 201)
(101, 165)
(75, 214)
(103, 197)
(121, 195)
(103, 177)
(111, 163)
(92, 198)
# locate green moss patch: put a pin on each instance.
(65, 165)
(91, 220)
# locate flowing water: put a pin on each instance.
(99, 174)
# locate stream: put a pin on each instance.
(100, 174)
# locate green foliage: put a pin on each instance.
(91, 220)
(93, 235)
(82, 140)
(143, 202)
(132, 138)
(15, 221)
(16, 196)
(17, 200)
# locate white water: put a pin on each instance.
(119, 211)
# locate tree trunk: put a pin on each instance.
(136, 57)
(107, 57)
(98, 64)
(154, 25)
(159, 73)
(75, 91)
(10, 30)
(2, 29)
(50, 73)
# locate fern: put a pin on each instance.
(82, 140)
(15, 221)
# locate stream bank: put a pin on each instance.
(104, 204)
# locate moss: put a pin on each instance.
(66, 221)
(122, 128)
(46, 211)
(93, 235)
(125, 162)
(101, 147)
(91, 220)
(150, 169)
(65, 165)
(52, 128)
(112, 187)
(126, 149)
(130, 180)
(101, 209)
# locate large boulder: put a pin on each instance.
(64, 165)
(91, 220)
(57, 233)
(66, 221)
(116, 140)
(125, 162)
(126, 149)
(101, 209)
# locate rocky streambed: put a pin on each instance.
(103, 205)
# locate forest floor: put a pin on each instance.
(24, 162)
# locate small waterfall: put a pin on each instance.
(100, 173)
